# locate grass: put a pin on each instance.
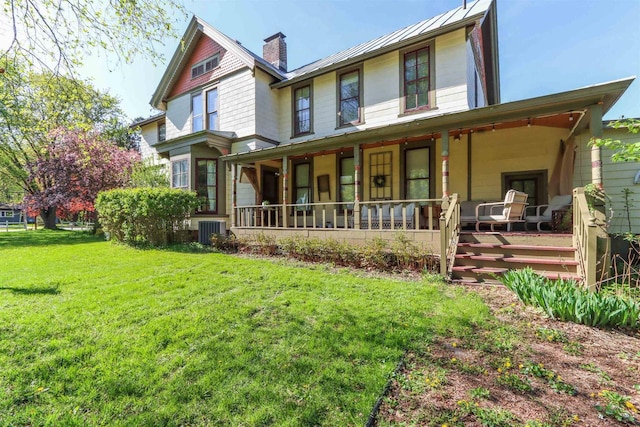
(93, 333)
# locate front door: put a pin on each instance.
(270, 185)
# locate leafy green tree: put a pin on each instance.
(150, 174)
(624, 151)
(32, 107)
(57, 35)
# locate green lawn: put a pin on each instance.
(93, 333)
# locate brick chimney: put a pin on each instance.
(274, 51)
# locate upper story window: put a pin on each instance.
(417, 79)
(349, 98)
(180, 174)
(162, 131)
(196, 110)
(212, 110)
(204, 66)
(302, 110)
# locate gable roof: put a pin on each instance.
(429, 28)
(456, 18)
(196, 29)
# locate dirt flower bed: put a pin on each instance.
(522, 370)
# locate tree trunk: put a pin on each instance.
(49, 218)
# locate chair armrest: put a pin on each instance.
(483, 205)
(537, 210)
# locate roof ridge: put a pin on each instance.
(419, 28)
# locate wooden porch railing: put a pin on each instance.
(449, 234)
(584, 238)
(399, 215)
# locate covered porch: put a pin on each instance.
(416, 176)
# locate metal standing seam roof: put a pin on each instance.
(421, 28)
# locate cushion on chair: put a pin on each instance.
(397, 211)
(386, 211)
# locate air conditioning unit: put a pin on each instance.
(208, 228)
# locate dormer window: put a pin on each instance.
(204, 66)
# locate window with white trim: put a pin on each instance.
(196, 111)
(180, 174)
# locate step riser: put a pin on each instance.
(518, 239)
(562, 268)
(520, 253)
(484, 277)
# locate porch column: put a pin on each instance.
(234, 198)
(445, 164)
(285, 189)
(595, 126)
(356, 178)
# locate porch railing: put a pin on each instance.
(584, 237)
(449, 234)
(412, 214)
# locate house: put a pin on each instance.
(11, 214)
(389, 135)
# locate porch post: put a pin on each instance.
(445, 164)
(234, 198)
(595, 126)
(356, 178)
(285, 189)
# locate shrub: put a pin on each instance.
(156, 216)
(565, 300)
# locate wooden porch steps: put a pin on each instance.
(483, 257)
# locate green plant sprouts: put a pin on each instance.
(617, 406)
(566, 301)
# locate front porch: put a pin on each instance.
(466, 255)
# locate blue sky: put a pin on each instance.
(546, 46)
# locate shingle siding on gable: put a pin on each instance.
(205, 48)
(238, 104)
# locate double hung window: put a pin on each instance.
(349, 98)
(302, 110)
(417, 83)
(180, 174)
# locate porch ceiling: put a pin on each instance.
(550, 110)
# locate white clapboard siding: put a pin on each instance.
(616, 177)
(381, 90)
(267, 111)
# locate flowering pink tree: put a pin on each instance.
(75, 167)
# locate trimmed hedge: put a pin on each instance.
(156, 216)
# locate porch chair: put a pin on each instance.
(541, 217)
(507, 212)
